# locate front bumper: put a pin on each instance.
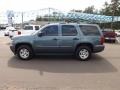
(12, 48)
(98, 48)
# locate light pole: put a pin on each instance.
(22, 20)
(112, 23)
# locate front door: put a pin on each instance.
(48, 42)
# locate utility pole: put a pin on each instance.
(49, 15)
(22, 20)
(112, 23)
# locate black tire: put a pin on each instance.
(5, 35)
(113, 41)
(28, 48)
(88, 50)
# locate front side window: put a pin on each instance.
(50, 30)
(89, 30)
(69, 30)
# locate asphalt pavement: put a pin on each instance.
(102, 72)
(1, 33)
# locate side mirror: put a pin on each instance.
(40, 34)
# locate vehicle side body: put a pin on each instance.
(59, 44)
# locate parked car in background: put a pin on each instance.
(80, 40)
(2, 28)
(117, 33)
(28, 29)
(8, 29)
(109, 35)
(13, 32)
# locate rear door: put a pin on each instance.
(69, 36)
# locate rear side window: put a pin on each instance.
(36, 27)
(89, 30)
(69, 30)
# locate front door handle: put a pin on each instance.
(75, 38)
(55, 39)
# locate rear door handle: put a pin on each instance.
(55, 39)
(75, 38)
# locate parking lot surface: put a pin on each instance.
(1, 33)
(102, 72)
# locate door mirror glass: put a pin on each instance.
(40, 34)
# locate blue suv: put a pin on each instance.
(80, 40)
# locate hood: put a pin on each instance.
(23, 37)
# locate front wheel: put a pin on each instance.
(24, 52)
(83, 53)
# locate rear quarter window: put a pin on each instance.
(89, 30)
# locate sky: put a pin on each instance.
(28, 5)
(63, 5)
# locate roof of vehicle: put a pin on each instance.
(32, 25)
(71, 24)
(10, 28)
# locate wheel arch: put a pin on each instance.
(84, 44)
(19, 44)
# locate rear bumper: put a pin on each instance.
(108, 38)
(98, 48)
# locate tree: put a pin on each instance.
(106, 10)
(115, 6)
(39, 18)
(76, 10)
(112, 9)
(89, 9)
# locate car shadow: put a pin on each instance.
(64, 64)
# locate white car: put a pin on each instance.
(7, 30)
(28, 29)
(117, 33)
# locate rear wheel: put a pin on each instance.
(83, 53)
(24, 52)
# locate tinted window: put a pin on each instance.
(28, 28)
(51, 30)
(89, 30)
(69, 30)
(36, 27)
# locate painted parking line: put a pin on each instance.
(118, 39)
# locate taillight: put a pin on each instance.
(19, 33)
(102, 40)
